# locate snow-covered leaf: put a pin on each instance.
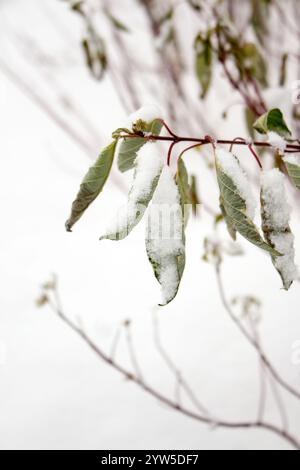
(237, 201)
(229, 222)
(275, 212)
(148, 168)
(130, 147)
(165, 239)
(273, 121)
(92, 184)
(292, 164)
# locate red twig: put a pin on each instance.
(255, 156)
(170, 151)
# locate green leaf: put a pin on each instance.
(182, 181)
(273, 121)
(165, 238)
(130, 147)
(195, 198)
(92, 184)
(293, 170)
(253, 63)
(95, 55)
(234, 207)
(148, 169)
(204, 62)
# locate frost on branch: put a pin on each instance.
(165, 240)
(148, 167)
(236, 200)
(275, 222)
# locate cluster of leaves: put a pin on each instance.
(93, 44)
(127, 143)
(221, 43)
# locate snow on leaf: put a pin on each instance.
(272, 121)
(277, 142)
(292, 164)
(148, 168)
(275, 212)
(237, 201)
(165, 239)
(130, 147)
(92, 184)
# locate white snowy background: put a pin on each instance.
(54, 393)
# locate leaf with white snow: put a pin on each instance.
(148, 168)
(237, 203)
(145, 120)
(165, 239)
(275, 212)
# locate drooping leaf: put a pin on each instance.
(204, 62)
(130, 147)
(128, 151)
(293, 169)
(235, 209)
(253, 63)
(182, 181)
(195, 197)
(272, 121)
(92, 184)
(148, 168)
(165, 239)
(95, 55)
(275, 213)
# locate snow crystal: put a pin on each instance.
(277, 142)
(148, 166)
(292, 159)
(165, 233)
(146, 113)
(277, 216)
(231, 167)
